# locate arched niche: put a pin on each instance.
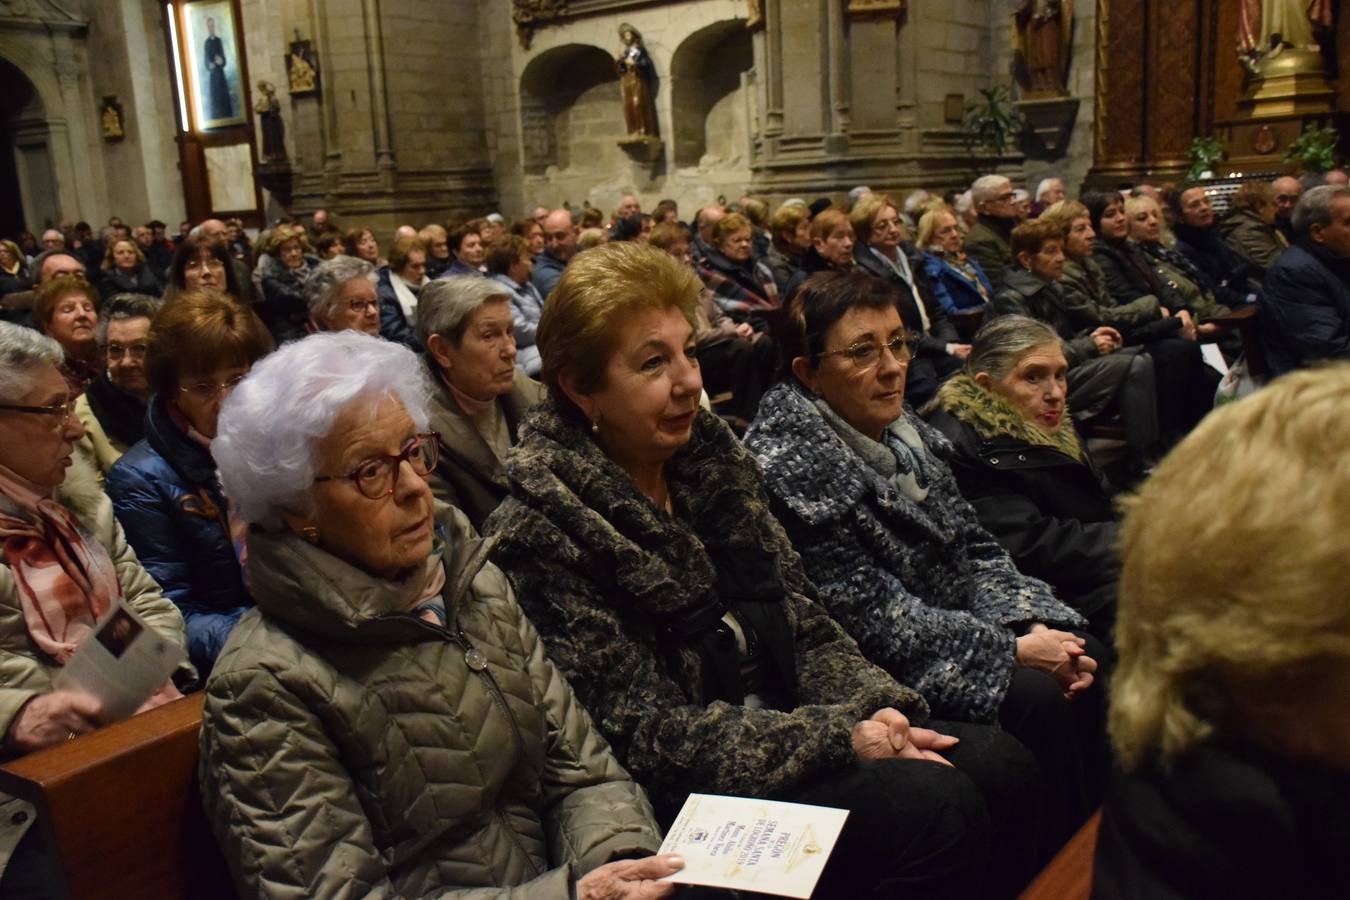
(26, 171)
(570, 109)
(707, 101)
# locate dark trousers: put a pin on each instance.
(917, 828)
(744, 367)
(1185, 386)
(1067, 737)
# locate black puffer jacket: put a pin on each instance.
(1039, 495)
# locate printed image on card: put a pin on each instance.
(754, 845)
(122, 663)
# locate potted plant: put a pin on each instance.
(1206, 153)
(1314, 150)
(991, 125)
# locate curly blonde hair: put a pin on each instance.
(1232, 599)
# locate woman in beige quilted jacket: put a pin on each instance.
(385, 723)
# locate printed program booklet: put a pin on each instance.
(122, 662)
(753, 845)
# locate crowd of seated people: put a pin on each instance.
(790, 503)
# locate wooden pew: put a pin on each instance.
(1069, 874)
(121, 807)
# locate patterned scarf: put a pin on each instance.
(899, 457)
(64, 577)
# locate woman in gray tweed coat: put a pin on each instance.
(899, 557)
(639, 538)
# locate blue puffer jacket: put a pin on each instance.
(165, 494)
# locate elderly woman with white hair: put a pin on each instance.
(1229, 706)
(479, 395)
(385, 722)
(64, 565)
(340, 294)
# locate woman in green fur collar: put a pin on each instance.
(1019, 462)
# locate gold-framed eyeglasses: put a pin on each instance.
(377, 477)
(360, 306)
(206, 391)
(63, 410)
(866, 354)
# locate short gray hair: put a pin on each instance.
(41, 260)
(321, 289)
(1314, 207)
(998, 345)
(24, 352)
(267, 440)
(444, 306)
(988, 187)
(125, 306)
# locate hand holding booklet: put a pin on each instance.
(754, 845)
(122, 663)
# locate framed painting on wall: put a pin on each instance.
(215, 85)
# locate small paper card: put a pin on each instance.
(754, 845)
(122, 662)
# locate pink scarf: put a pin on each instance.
(64, 577)
(472, 406)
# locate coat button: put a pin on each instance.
(475, 659)
(19, 817)
(1021, 457)
(993, 460)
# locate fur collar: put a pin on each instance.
(573, 503)
(80, 492)
(993, 417)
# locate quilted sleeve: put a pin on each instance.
(284, 810)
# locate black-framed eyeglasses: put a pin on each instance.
(117, 351)
(866, 354)
(64, 410)
(378, 477)
(206, 391)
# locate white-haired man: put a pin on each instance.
(1049, 192)
(989, 242)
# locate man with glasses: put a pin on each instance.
(1287, 191)
(112, 408)
(989, 239)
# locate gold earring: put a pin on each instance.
(310, 533)
(595, 427)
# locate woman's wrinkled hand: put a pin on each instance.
(631, 879)
(1107, 339)
(166, 694)
(883, 736)
(1054, 652)
(1187, 325)
(928, 744)
(49, 719)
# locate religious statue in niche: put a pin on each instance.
(635, 75)
(1042, 40)
(1267, 27)
(268, 108)
(302, 68)
(110, 120)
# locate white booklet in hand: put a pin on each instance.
(753, 845)
(122, 662)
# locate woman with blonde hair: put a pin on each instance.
(1250, 227)
(125, 271)
(1229, 704)
(285, 265)
(959, 283)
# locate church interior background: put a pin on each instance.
(422, 110)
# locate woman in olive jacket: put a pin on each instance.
(385, 722)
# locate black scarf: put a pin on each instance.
(121, 415)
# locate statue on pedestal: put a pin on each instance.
(1267, 27)
(635, 73)
(268, 108)
(1042, 40)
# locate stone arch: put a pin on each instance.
(570, 108)
(706, 75)
(26, 164)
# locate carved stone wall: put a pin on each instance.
(73, 53)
